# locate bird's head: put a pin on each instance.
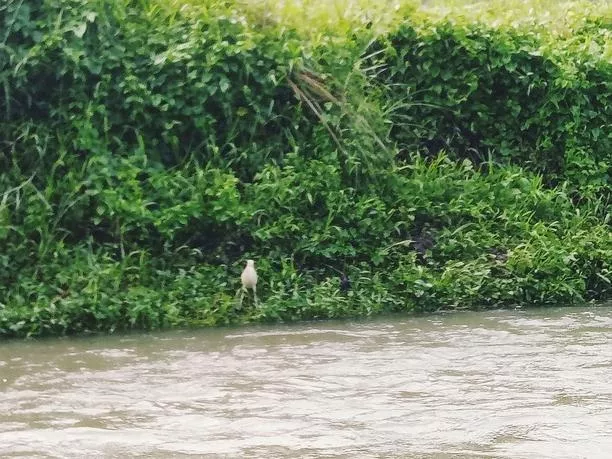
(251, 263)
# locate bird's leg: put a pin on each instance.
(241, 291)
(255, 295)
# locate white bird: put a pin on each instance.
(249, 280)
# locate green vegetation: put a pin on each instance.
(444, 161)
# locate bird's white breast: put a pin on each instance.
(249, 277)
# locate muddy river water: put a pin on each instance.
(496, 384)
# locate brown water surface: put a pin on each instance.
(509, 384)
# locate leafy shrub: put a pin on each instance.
(505, 95)
(148, 147)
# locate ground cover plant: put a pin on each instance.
(442, 157)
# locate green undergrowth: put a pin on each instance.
(442, 159)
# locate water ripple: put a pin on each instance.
(503, 384)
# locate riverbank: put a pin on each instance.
(441, 162)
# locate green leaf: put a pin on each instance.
(224, 85)
(80, 30)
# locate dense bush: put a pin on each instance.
(147, 148)
(498, 94)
